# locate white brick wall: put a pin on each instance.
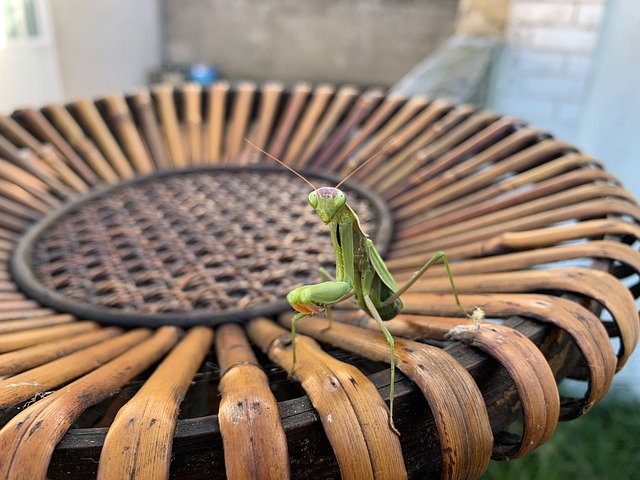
(535, 13)
(543, 72)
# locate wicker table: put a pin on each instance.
(146, 249)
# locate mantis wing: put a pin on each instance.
(375, 259)
(379, 266)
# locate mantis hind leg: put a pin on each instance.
(438, 256)
(326, 276)
(392, 388)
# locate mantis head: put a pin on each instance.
(327, 202)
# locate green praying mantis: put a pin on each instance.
(360, 271)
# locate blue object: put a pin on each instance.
(202, 74)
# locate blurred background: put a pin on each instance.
(570, 67)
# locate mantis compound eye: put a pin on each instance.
(313, 199)
(341, 199)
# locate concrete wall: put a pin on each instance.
(359, 41)
(106, 45)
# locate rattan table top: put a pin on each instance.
(186, 247)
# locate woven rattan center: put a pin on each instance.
(185, 247)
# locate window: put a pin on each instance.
(20, 21)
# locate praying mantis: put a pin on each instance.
(360, 271)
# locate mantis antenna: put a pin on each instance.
(282, 163)
(384, 147)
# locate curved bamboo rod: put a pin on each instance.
(138, 443)
(349, 406)
(463, 427)
(30, 437)
(255, 443)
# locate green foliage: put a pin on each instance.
(603, 444)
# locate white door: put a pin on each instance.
(29, 72)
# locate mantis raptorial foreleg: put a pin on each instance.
(313, 299)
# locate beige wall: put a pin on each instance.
(483, 18)
(360, 41)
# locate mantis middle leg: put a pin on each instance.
(438, 256)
